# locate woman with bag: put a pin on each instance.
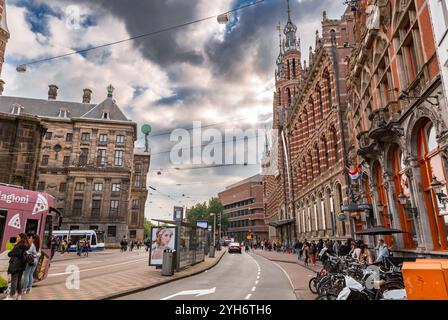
(34, 250)
(17, 264)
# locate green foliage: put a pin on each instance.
(202, 211)
(147, 228)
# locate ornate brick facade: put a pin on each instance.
(304, 199)
(398, 119)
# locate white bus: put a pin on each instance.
(96, 238)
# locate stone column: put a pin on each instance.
(87, 212)
(423, 219)
(391, 196)
(418, 228)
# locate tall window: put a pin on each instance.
(96, 208)
(289, 96)
(313, 111)
(84, 156)
(77, 207)
(103, 137)
(431, 166)
(288, 69)
(137, 180)
(112, 231)
(321, 103)
(45, 159)
(85, 136)
(66, 161)
(69, 137)
(316, 151)
(114, 205)
(294, 68)
(120, 139)
(41, 186)
(98, 187)
(48, 135)
(335, 145)
(118, 158)
(62, 187)
(116, 187)
(136, 204)
(326, 154)
(101, 159)
(329, 91)
(79, 186)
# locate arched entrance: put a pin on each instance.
(431, 166)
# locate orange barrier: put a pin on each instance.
(426, 279)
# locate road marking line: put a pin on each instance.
(253, 289)
(258, 277)
(256, 281)
(287, 275)
(248, 296)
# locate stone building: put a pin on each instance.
(308, 114)
(139, 194)
(86, 161)
(243, 205)
(20, 141)
(398, 116)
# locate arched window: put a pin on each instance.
(320, 101)
(328, 88)
(288, 91)
(288, 70)
(317, 153)
(335, 145)
(313, 111)
(307, 123)
(294, 68)
(304, 170)
(431, 166)
(332, 212)
(326, 154)
(322, 211)
(311, 166)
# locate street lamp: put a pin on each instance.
(214, 228)
(437, 186)
(404, 201)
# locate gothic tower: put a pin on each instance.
(289, 69)
(4, 36)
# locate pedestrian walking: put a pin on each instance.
(305, 253)
(313, 252)
(28, 274)
(53, 246)
(17, 265)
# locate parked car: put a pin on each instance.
(235, 247)
(227, 242)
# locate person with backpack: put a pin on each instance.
(17, 265)
(34, 250)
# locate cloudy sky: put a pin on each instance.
(220, 75)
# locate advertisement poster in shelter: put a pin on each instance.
(162, 238)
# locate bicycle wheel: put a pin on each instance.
(313, 285)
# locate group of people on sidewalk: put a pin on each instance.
(323, 248)
(24, 257)
(124, 245)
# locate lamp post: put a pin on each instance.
(437, 186)
(212, 247)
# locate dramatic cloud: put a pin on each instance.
(205, 72)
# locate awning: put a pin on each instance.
(379, 230)
(279, 223)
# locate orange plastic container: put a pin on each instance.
(426, 280)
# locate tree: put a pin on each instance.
(202, 211)
(147, 228)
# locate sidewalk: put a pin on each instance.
(298, 274)
(109, 286)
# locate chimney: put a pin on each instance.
(52, 92)
(87, 96)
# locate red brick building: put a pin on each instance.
(243, 204)
(303, 199)
(398, 120)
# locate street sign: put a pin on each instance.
(178, 213)
(146, 129)
(202, 224)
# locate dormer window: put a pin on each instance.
(106, 116)
(63, 113)
(16, 109)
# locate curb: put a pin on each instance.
(287, 261)
(147, 287)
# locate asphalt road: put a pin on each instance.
(236, 277)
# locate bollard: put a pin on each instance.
(212, 252)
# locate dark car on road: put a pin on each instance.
(234, 247)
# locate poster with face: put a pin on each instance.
(162, 238)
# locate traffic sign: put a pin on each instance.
(146, 129)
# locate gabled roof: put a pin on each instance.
(51, 108)
(108, 106)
